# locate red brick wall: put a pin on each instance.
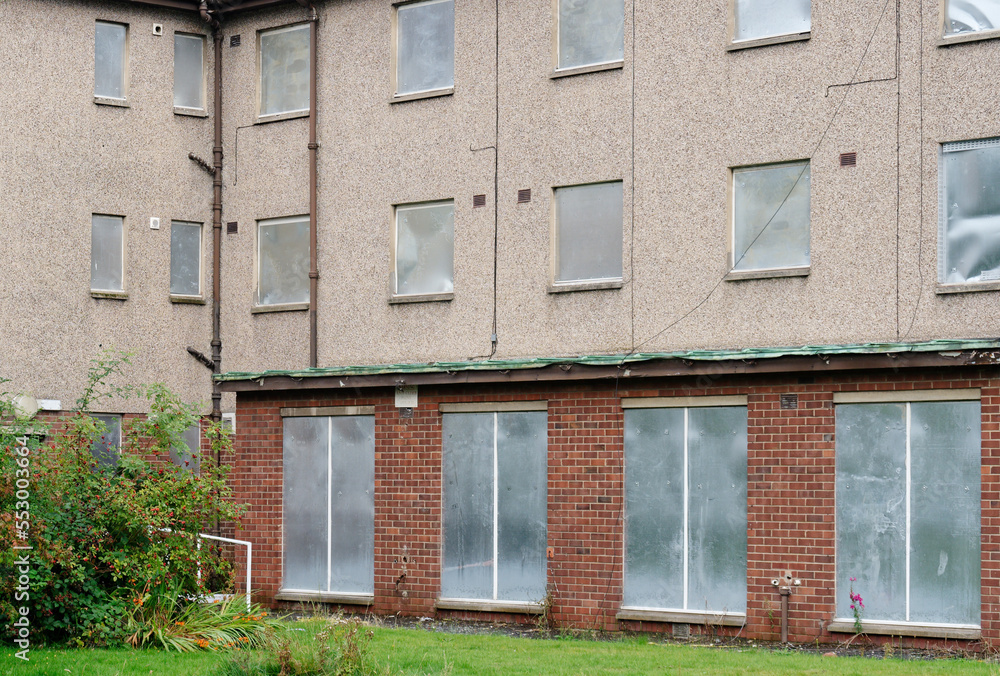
(790, 504)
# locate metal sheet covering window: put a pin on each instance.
(495, 506)
(969, 213)
(189, 71)
(329, 504)
(109, 60)
(425, 46)
(771, 217)
(284, 70)
(686, 509)
(971, 16)
(107, 252)
(591, 32)
(283, 261)
(759, 19)
(185, 258)
(908, 511)
(425, 248)
(588, 233)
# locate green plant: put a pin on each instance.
(857, 607)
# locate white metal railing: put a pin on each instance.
(245, 543)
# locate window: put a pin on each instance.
(329, 504)
(969, 213)
(425, 46)
(686, 508)
(963, 17)
(425, 246)
(187, 453)
(283, 261)
(770, 217)
(908, 510)
(110, 60)
(284, 70)
(107, 253)
(588, 233)
(762, 19)
(106, 447)
(495, 505)
(185, 259)
(189, 71)
(591, 32)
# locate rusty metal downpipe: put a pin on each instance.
(313, 200)
(216, 212)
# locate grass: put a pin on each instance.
(409, 651)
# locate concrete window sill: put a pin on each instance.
(596, 285)
(293, 115)
(682, 617)
(287, 307)
(417, 96)
(325, 597)
(843, 626)
(977, 36)
(944, 289)
(109, 295)
(740, 275)
(190, 112)
(474, 605)
(108, 101)
(422, 298)
(582, 70)
(187, 300)
(765, 42)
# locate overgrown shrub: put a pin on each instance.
(105, 537)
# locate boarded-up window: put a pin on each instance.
(425, 247)
(284, 70)
(329, 504)
(971, 16)
(106, 447)
(590, 32)
(589, 233)
(686, 508)
(969, 213)
(185, 258)
(771, 217)
(908, 511)
(757, 19)
(495, 506)
(189, 71)
(186, 454)
(283, 261)
(425, 46)
(107, 252)
(109, 60)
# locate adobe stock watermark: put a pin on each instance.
(22, 563)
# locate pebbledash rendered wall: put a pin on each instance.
(791, 475)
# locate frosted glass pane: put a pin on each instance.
(654, 508)
(771, 217)
(425, 246)
(106, 446)
(717, 509)
(187, 454)
(352, 499)
(306, 443)
(970, 16)
(109, 60)
(971, 213)
(425, 47)
(522, 509)
(189, 51)
(185, 258)
(944, 520)
(590, 31)
(283, 276)
(765, 18)
(871, 509)
(467, 442)
(106, 252)
(284, 70)
(589, 219)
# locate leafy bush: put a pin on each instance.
(103, 536)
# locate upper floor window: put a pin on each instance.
(591, 32)
(284, 70)
(763, 19)
(110, 81)
(107, 253)
(963, 17)
(185, 259)
(588, 234)
(424, 249)
(189, 71)
(969, 213)
(425, 47)
(770, 217)
(283, 261)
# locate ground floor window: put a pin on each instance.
(908, 510)
(685, 507)
(329, 506)
(495, 505)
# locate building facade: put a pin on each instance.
(541, 307)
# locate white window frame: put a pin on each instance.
(685, 614)
(181, 297)
(104, 99)
(597, 66)
(969, 36)
(734, 257)
(110, 293)
(396, 296)
(398, 96)
(764, 40)
(198, 111)
(559, 285)
(283, 114)
(275, 307)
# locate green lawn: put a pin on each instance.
(408, 651)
